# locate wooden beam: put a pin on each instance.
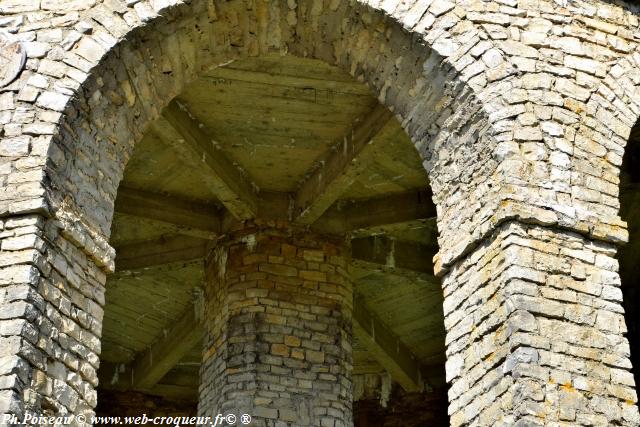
(150, 366)
(181, 339)
(394, 256)
(275, 205)
(289, 81)
(119, 377)
(357, 215)
(386, 347)
(188, 217)
(161, 251)
(392, 209)
(175, 392)
(181, 375)
(339, 167)
(223, 177)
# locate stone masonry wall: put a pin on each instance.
(278, 346)
(535, 332)
(50, 320)
(541, 93)
(537, 68)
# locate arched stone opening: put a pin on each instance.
(283, 121)
(136, 78)
(133, 83)
(628, 255)
(521, 347)
(615, 106)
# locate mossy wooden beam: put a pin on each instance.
(175, 392)
(198, 149)
(188, 217)
(392, 354)
(160, 251)
(153, 365)
(380, 253)
(118, 377)
(391, 209)
(358, 215)
(306, 83)
(339, 167)
(150, 366)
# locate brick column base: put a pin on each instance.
(279, 328)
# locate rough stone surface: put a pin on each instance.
(50, 317)
(521, 110)
(535, 332)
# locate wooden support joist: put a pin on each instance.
(196, 219)
(288, 81)
(197, 148)
(153, 364)
(392, 209)
(175, 392)
(150, 366)
(339, 168)
(358, 215)
(394, 256)
(392, 354)
(119, 377)
(161, 251)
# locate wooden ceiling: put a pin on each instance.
(273, 136)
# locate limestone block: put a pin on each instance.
(52, 100)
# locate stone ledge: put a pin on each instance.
(609, 230)
(92, 243)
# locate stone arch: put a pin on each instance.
(467, 142)
(406, 54)
(419, 74)
(614, 113)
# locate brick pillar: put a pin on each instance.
(279, 328)
(535, 332)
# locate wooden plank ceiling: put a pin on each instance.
(278, 129)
